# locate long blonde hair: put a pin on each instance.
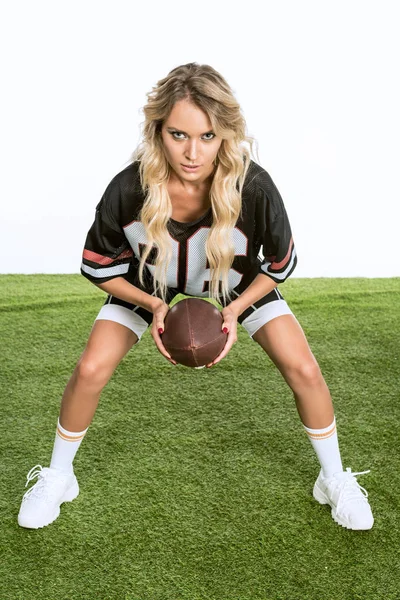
(208, 90)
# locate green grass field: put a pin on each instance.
(197, 484)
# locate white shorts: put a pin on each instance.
(137, 319)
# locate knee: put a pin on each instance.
(90, 372)
(307, 372)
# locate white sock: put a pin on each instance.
(66, 446)
(325, 443)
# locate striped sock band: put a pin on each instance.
(326, 446)
(65, 447)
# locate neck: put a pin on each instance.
(196, 187)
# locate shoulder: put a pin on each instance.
(122, 197)
(124, 188)
(258, 178)
(126, 182)
(263, 189)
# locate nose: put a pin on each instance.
(191, 151)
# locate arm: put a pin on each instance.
(259, 287)
(120, 288)
(106, 253)
(280, 256)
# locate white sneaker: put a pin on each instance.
(350, 507)
(41, 503)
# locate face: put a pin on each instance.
(188, 139)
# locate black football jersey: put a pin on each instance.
(116, 239)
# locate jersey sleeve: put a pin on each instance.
(106, 253)
(278, 249)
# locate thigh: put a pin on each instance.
(107, 344)
(284, 341)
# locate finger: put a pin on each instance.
(167, 356)
(160, 324)
(220, 357)
(227, 323)
(229, 343)
(161, 348)
(164, 352)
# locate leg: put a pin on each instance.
(284, 341)
(118, 326)
(116, 329)
(276, 329)
(108, 343)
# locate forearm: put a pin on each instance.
(259, 287)
(122, 289)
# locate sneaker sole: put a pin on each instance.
(323, 499)
(70, 495)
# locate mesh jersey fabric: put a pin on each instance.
(116, 239)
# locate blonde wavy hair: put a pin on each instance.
(207, 89)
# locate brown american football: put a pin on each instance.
(193, 332)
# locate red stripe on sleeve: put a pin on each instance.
(280, 265)
(105, 260)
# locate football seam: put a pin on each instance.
(192, 347)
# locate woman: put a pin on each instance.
(189, 215)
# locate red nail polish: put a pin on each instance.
(225, 330)
(160, 331)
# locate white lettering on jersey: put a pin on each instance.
(197, 275)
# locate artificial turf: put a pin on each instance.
(197, 484)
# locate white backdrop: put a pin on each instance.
(318, 85)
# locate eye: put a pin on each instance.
(175, 133)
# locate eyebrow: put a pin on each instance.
(180, 130)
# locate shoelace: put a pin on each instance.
(37, 489)
(350, 488)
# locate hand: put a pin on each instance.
(159, 313)
(229, 320)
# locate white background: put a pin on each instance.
(317, 82)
